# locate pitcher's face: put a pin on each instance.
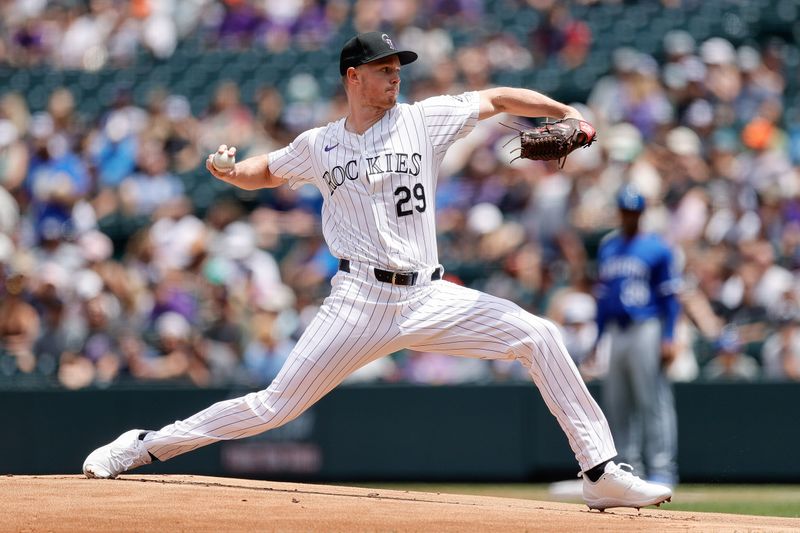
(378, 82)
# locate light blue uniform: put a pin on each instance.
(637, 308)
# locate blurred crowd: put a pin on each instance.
(113, 273)
(90, 34)
(93, 34)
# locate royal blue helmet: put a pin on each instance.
(630, 199)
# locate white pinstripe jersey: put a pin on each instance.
(379, 187)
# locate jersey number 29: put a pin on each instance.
(405, 197)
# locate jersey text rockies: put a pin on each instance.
(398, 163)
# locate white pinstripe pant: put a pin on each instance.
(363, 320)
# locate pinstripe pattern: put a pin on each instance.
(362, 179)
(342, 338)
(465, 322)
(363, 320)
(358, 176)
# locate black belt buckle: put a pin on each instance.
(394, 278)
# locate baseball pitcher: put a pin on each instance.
(377, 169)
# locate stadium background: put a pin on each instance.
(134, 279)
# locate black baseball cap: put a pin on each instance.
(368, 47)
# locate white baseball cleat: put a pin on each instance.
(125, 453)
(618, 487)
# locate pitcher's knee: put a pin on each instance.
(545, 330)
(276, 409)
(545, 336)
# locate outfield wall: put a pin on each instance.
(728, 432)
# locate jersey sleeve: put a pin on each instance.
(600, 291)
(667, 284)
(449, 118)
(293, 163)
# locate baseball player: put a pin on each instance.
(377, 169)
(637, 308)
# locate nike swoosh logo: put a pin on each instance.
(329, 148)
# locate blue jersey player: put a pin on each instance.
(637, 308)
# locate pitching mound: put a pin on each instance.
(194, 503)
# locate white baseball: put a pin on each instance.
(223, 161)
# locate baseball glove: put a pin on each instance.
(554, 140)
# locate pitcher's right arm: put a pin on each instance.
(251, 174)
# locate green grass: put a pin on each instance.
(761, 500)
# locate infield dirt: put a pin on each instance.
(193, 503)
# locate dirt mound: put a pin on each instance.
(195, 503)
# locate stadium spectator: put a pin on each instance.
(143, 192)
(560, 35)
(575, 311)
(97, 357)
(61, 327)
(781, 352)
(20, 324)
(730, 363)
(228, 119)
(175, 357)
(14, 157)
(114, 147)
(265, 354)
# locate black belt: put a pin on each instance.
(395, 278)
(622, 321)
